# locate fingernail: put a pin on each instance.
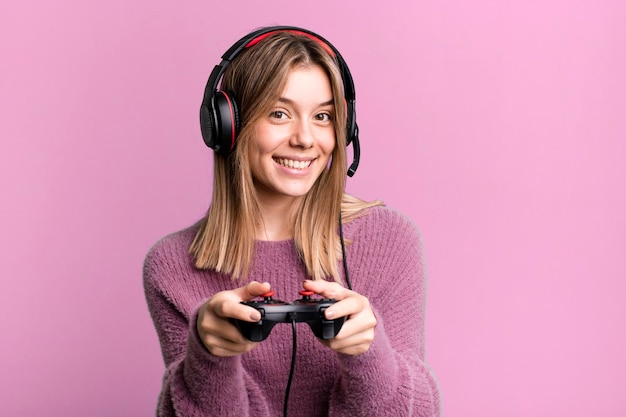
(330, 314)
(255, 316)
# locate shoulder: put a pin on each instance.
(385, 235)
(170, 250)
(169, 274)
(173, 242)
(382, 222)
(385, 253)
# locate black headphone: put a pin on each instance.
(219, 112)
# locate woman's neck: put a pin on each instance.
(277, 219)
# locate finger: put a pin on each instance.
(227, 304)
(345, 308)
(326, 289)
(350, 347)
(351, 340)
(215, 330)
(251, 290)
(356, 325)
(233, 309)
(219, 346)
(232, 337)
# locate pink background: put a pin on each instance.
(497, 126)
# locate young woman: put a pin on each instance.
(280, 221)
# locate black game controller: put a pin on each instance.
(306, 309)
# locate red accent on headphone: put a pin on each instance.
(324, 45)
(234, 122)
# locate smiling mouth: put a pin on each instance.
(290, 163)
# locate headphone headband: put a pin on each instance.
(219, 120)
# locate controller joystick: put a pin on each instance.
(306, 295)
(267, 297)
(307, 309)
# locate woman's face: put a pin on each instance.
(292, 144)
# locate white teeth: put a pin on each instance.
(289, 163)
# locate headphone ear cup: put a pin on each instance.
(226, 116)
(207, 125)
(235, 115)
(351, 128)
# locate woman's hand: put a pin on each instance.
(357, 333)
(220, 337)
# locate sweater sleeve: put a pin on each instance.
(195, 382)
(391, 378)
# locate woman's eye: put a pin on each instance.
(324, 117)
(277, 114)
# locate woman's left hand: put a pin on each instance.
(357, 333)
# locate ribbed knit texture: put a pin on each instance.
(386, 265)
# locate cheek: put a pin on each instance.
(269, 137)
(261, 146)
(261, 141)
(255, 159)
(328, 145)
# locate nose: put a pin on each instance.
(303, 135)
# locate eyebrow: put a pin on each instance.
(292, 102)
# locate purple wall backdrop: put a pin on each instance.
(498, 127)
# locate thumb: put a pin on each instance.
(253, 289)
(325, 288)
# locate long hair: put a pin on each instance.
(226, 237)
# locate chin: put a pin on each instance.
(294, 191)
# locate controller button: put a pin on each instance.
(268, 294)
(305, 293)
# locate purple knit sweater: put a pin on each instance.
(386, 265)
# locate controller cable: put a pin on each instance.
(292, 319)
(343, 254)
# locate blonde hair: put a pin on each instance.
(226, 238)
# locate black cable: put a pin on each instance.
(293, 364)
(343, 254)
(293, 320)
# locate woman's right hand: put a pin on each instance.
(220, 337)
